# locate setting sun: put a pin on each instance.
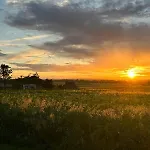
(131, 74)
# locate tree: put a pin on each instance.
(36, 75)
(5, 72)
(47, 84)
(70, 84)
(30, 79)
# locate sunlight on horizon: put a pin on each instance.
(131, 73)
(135, 73)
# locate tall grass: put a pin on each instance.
(70, 120)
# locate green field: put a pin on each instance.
(105, 118)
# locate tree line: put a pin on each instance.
(6, 78)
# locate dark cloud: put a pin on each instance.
(77, 47)
(80, 46)
(78, 15)
(89, 23)
(73, 52)
(44, 16)
(119, 8)
(81, 19)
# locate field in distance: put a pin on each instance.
(109, 117)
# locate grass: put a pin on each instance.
(8, 147)
(110, 119)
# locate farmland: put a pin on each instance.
(105, 117)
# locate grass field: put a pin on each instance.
(106, 118)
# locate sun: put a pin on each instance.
(131, 73)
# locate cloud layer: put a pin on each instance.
(98, 30)
(83, 23)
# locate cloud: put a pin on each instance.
(11, 45)
(50, 67)
(2, 54)
(90, 29)
(30, 56)
(68, 51)
(78, 15)
(83, 24)
(24, 39)
(119, 8)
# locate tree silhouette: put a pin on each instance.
(47, 84)
(5, 72)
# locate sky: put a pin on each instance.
(84, 39)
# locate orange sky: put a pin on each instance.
(98, 39)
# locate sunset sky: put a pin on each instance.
(88, 39)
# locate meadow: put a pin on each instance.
(98, 117)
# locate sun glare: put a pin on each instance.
(131, 74)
